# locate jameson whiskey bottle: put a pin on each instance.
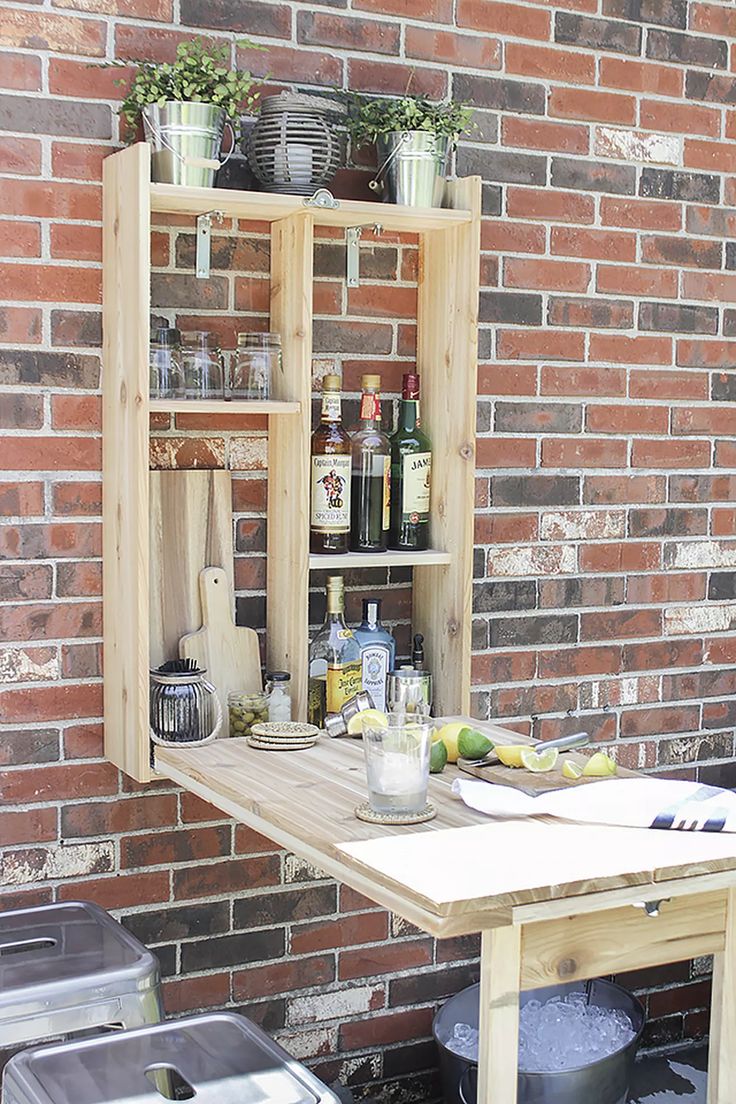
(411, 472)
(334, 659)
(371, 474)
(329, 524)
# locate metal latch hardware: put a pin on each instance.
(651, 908)
(324, 198)
(204, 226)
(352, 245)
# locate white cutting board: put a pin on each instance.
(229, 653)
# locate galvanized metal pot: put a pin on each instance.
(603, 1082)
(413, 168)
(186, 140)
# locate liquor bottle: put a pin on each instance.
(329, 523)
(334, 659)
(377, 651)
(371, 473)
(411, 471)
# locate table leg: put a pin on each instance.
(500, 974)
(721, 1066)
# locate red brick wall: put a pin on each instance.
(606, 531)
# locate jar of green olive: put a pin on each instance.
(246, 710)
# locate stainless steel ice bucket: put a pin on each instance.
(413, 167)
(186, 140)
(605, 1081)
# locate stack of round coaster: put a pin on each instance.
(283, 736)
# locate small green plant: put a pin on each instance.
(201, 73)
(370, 119)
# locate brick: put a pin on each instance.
(468, 50)
(78, 580)
(612, 280)
(503, 18)
(243, 15)
(82, 243)
(503, 307)
(540, 134)
(21, 72)
(34, 30)
(675, 318)
(540, 345)
(641, 76)
(583, 453)
(383, 76)
(627, 556)
(667, 385)
(545, 63)
(682, 252)
(21, 499)
(28, 826)
(497, 528)
(20, 411)
(630, 350)
(593, 176)
(598, 34)
(712, 53)
(285, 906)
(710, 287)
(504, 667)
(713, 156)
(590, 312)
(506, 167)
(688, 119)
(620, 624)
(546, 275)
(20, 239)
(655, 721)
(538, 418)
(505, 452)
(233, 950)
(53, 862)
(523, 97)
(712, 19)
(600, 107)
(324, 935)
(627, 419)
(594, 244)
(47, 453)
(641, 214)
(535, 490)
(723, 388)
(223, 877)
(345, 33)
(603, 660)
(569, 380)
(20, 156)
(512, 237)
(436, 11)
(610, 490)
(507, 379)
(667, 13)
(282, 977)
(668, 454)
(159, 848)
(20, 325)
(25, 582)
(637, 145)
(74, 161)
(49, 283)
(390, 1028)
(41, 116)
(23, 747)
(690, 187)
(502, 595)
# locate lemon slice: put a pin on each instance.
(570, 769)
(510, 754)
(599, 765)
(372, 718)
(539, 761)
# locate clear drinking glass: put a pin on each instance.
(257, 360)
(202, 362)
(166, 374)
(397, 764)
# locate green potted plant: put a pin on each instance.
(184, 105)
(414, 136)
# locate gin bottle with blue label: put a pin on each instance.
(377, 651)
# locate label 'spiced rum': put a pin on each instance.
(335, 665)
(371, 474)
(411, 474)
(329, 523)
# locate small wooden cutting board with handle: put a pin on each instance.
(228, 652)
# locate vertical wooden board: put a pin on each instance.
(498, 1026)
(721, 1065)
(191, 527)
(447, 362)
(288, 455)
(125, 312)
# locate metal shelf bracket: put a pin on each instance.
(204, 227)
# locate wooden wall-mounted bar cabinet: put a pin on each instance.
(447, 352)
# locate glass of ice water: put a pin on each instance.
(397, 764)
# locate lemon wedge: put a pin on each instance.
(570, 769)
(599, 765)
(510, 754)
(539, 761)
(371, 718)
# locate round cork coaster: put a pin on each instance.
(364, 812)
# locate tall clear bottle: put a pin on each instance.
(329, 523)
(411, 474)
(334, 659)
(377, 651)
(370, 493)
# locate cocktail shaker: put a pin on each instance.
(336, 724)
(409, 691)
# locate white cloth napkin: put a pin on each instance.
(627, 802)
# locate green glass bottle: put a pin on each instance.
(411, 474)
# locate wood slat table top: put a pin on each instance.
(457, 873)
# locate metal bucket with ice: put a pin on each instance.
(577, 1044)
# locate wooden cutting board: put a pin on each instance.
(191, 527)
(527, 781)
(229, 652)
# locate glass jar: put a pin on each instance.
(246, 710)
(278, 688)
(202, 362)
(257, 361)
(165, 365)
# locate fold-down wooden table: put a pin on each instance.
(553, 901)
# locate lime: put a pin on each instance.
(372, 718)
(599, 765)
(449, 734)
(571, 769)
(510, 754)
(539, 761)
(473, 744)
(437, 757)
